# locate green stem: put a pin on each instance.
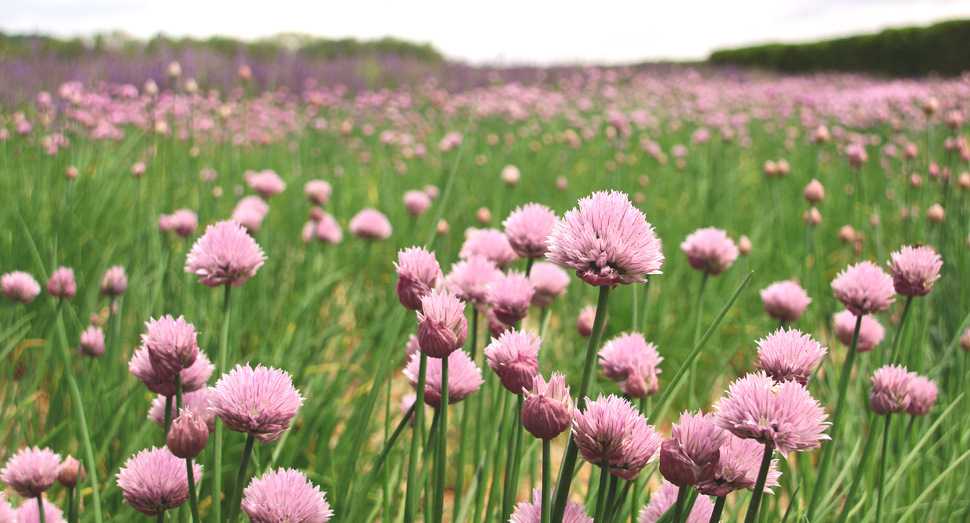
(692, 379)
(718, 508)
(70, 504)
(899, 330)
(544, 321)
(759, 486)
(160, 518)
(514, 461)
(220, 369)
(601, 492)
(882, 470)
(528, 266)
(241, 479)
(441, 461)
(569, 459)
(860, 469)
(411, 494)
(679, 505)
(545, 509)
(40, 509)
(610, 498)
(193, 496)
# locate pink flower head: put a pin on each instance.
(29, 512)
(464, 378)
(864, 288)
(738, 468)
(61, 284)
(526, 512)
(664, 498)
(785, 300)
(922, 394)
(510, 295)
(188, 435)
(607, 241)
(19, 286)
(871, 332)
(171, 345)
(511, 175)
(490, 243)
(115, 281)
(710, 250)
(7, 512)
(69, 473)
(260, 402)
(789, 356)
(632, 363)
(92, 342)
(250, 212)
(183, 222)
(585, 320)
(857, 154)
(442, 327)
(31, 471)
(527, 229)
(514, 358)
(418, 274)
(267, 183)
(416, 203)
(328, 230)
(890, 390)
(193, 378)
(318, 191)
(370, 224)
(469, 279)
(154, 480)
(549, 282)
(197, 400)
(225, 254)
(691, 455)
(548, 408)
(784, 416)
(612, 430)
(285, 495)
(915, 269)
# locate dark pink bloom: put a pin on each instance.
(785, 300)
(691, 455)
(864, 288)
(664, 498)
(267, 183)
(890, 390)
(510, 295)
(526, 512)
(92, 342)
(19, 286)
(260, 402)
(710, 250)
(789, 356)
(442, 327)
(922, 394)
(29, 512)
(491, 244)
(514, 358)
(285, 495)
(370, 224)
(469, 279)
(464, 378)
(607, 241)
(611, 429)
(871, 332)
(416, 203)
(914, 270)
(155, 480)
(225, 254)
(527, 229)
(193, 378)
(549, 282)
(197, 400)
(418, 274)
(31, 471)
(632, 363)
(548, 408)
(318, 191)
(188, 435)
(738, 468)
(61, 284)
(171, 345)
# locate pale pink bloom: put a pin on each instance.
(585, 320)
(548, 408)
(511, 175)
(442, 327)
(7, 512)
(890, 390)
(710, 250)
(491, 244)
(814, 192)
(267, 183)
(464, 378)
(664, 498)
(318, 191)
(29, 512)
(68, 473)
(225, 254)
(514, 358)
(510, 295)
(416, 203)
(785, 300)
(154, 480)
(632, 363)
(915, 269)
(922, 393)
(183, 222)
(92, 342)
(871, 332)
(250, 212)
(31, 471)
(864, 288)
(789, 356)
(612, 430)
(418, 273)
(738, 467)
(527, 229)
(526, 512)
(285, 495)
(328, 230)
(61, 284)
(260, 402)
(549, 281)
(370, 224)
(193, 378)
(171, 345)
(19, 286)
(188, 435)
(197, 400)
(469, 279)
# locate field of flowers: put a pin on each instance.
(223, 302)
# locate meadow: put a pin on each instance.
(88, 171)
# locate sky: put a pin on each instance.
(498, 32)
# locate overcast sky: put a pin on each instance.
(498, 31)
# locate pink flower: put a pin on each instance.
(785, 300)
(183, 222)
(115, 281)
(527, 229)
(92, 342)
(710, 250)
(31, 471)
(691, 455)
(67, 474)
(416, 203)
(328, 230)
(442, 327)
(514, 358)
(61, 284)
(154, 481)
(267, 183)
(511, 175)
(922, 393)
(526, 512)
(19, 286)
(890, 390)
(418, 274)
(585, 320)
(789, 356)
(193, 378)
(611, 429)
(864, 288)
(491, 244)
(225, 254)
(250, 212)
(633, 363)
(510, 295)
(7, 512)
(260, 402)
(29, 512)
(871, 332)
(738, 468)
(370, 224)
(915, 269)
(549, 282)
(318, 191)
(664, 498)
(197, 400)
(171, 345)
(469, 279)
(188, 435)
(607, 241)
(285, 495)
(464, 378)
(548, 408)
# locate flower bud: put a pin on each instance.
(442, 327)
(188, 436)
(548, 408)
(67, 475)
(935, 214)
(744, 246)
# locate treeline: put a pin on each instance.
(942, 49)
(311, 48)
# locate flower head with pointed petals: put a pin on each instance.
(738, 468)
(527, 229)
(789, 355)
(418, 273)
(62, 284)
(922, 394)
(115, 281)
(510, 295)
(171, 345)
(611, 429)
(548, 408)
(890, 390)
(710, 250)
(285, 495)
(526, 512)
(225, 254)
(469, 279)
(193, 378)
(442, 327)
(665, 497)
(491, 244)
(92, 342)
(864, 288)
(464, 378)
(915, 269)
(632, 363)
(7, 512)
(154, 480)
(31, 471)
(691, 455)
(19, 286)
(785, 300)
(514, 358)
(261, 402)
(197, 400)
(370, 224)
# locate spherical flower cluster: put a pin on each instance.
(416, 203)
(225, 254)
(418, 273)
(464, 378)
(267, 183)
(607, 241)
(633, 363)
(285, 495)
(260, 402)
(442, 327)
(548, 408)
(31, 471)
(738, 468)
(62, 284)
(318, 191)
(789, 356)
(328, 230)
(914, 270)
(183, 222)
(510, 296)
(491, 244)
(691, 455)
(785, 300)
(115, 281)
(612, 430)
(188, 434)
(29, 512)
(469, 279)
(814, 192)
(871, 332)
(370, 224)
(664, 498)
(890, 390)
(92, 342)
(19, 286)
(864, 288)
(527, 229)
(250, 213)
(7, 512)
(171, 345)
(193, 378)
(710, 250)
(514, 358)
(526, 512)
(549, 282)
(154, 480)
(922, 394)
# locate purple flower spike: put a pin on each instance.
(464, 378)
(789, 356)
(633, 363)
(261, 402)
(171, 345)
(526, 512)
(61, 284)
(513, 357)
(442, 327)
(665, 497)
(19, 286)
(527, 229)
(864, 288)
(738, 468)
(548, 408)
(612, 429)
(491, 244)
(785, 300)
(922, 394)
(510, 295)
(115, 282)
(154, 480)
(915, 269)
(607, 241)
(29, 512)
(549, 282)
(890, 390)
(224, 254)
(31, 471)
(871, 332)
(285, 495)
(418, 273)
(370, 224)
(784, 416)
(710, 250)
(469, 279)
(692, 454)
